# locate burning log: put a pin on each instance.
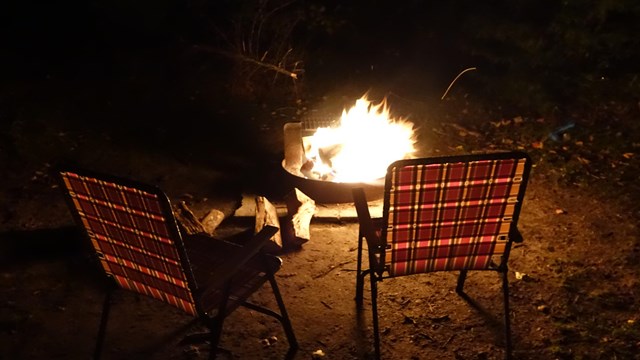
(358, 149)
(354, 152)
(266, 214)
(300, 209)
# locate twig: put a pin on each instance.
(265, 15)
(326, 305)
(391, 93)
(454, 80)
(249, 59)
(324, 273)
(463, 129)
(448, 341)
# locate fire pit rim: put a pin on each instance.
(328, 192)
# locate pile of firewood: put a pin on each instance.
(294, 227)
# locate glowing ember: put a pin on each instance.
(361, 148)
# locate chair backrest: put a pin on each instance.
(452, 213)
(135, 236)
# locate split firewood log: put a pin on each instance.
(300, 210)
(187, 220)
(293, 148)
(211, 221)
(266, 214)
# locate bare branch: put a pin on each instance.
(248, 59)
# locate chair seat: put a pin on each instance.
(206, 254)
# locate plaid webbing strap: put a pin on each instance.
(129, 232)
(450, 216)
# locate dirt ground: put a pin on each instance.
(574, 281)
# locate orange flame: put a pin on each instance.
(362, 147)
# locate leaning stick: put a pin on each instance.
(454, 80)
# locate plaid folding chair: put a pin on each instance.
(456, 213)
(139, 246)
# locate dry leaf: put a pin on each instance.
(318, 354)
(583, 160)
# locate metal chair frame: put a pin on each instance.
(230, 267)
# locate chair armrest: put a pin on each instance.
(367, 226)
(239, 257)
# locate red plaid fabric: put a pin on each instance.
(450, 216)
(130, 233)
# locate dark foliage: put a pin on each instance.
(532, 53)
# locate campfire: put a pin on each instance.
(359, 149)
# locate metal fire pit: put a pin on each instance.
(329, 192)
(323, 192)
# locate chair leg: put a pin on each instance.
(102, 329)
(374, 310)
(461, 279)
(215, 324)
(284, 316)
(507, 320)
(360, 287)
(215, 328)
(359, 275)
(507, 317)
(212, 336)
